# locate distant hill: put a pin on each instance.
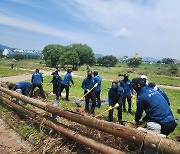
(150, 59)
(2, 47)
(99, 55)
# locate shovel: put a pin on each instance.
(110, 108)
(79, 102)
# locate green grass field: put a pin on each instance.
(30, 64)
(152, 71)
(155, 73)
(5, 71)
(77, 92)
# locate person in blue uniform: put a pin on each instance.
(66, 83)
(154, 86)
(97, 90)
(56, 81)
(155, 106)
(24, 86)
(87, 84)
(128, 91)
(115, 95)
(37, 81)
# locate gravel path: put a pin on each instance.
(22, 77)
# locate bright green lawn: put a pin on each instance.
(149, 70)
(5, 71)
(30, 64)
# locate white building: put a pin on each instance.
(6, 52)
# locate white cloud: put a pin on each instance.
(40, 28)
(122, 33)
(27, 2)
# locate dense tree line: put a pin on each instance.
(134, 62)
(75, 55)
(168, 61)
(108, 61)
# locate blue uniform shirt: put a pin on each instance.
(67, 79)
(98, 80)
(154, 104)
(125, 84)
(163, 94)
(58, 79)
(22, 85)
(37, 78)
(116, 95)
(88, 83)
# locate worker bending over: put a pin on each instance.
(155, 106)
(24, 86)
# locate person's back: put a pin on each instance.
(22, 85)
(154, 86)
(98, 80)
(154, 104)
(37, 78)
(164, 95)
(67, 79)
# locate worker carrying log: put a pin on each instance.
(155, 106)
(115, 95)
(24, 86)
(88, 85)
(97, 90)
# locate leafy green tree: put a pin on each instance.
(108, 61)
(85, 53)
(168, 61)
(70, 57)
(52, 54)
(18, 57)
(173, 70)
(134, 62)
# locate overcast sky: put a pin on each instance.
(118, 27)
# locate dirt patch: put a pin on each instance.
(10, 141)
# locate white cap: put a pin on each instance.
(144, 77)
